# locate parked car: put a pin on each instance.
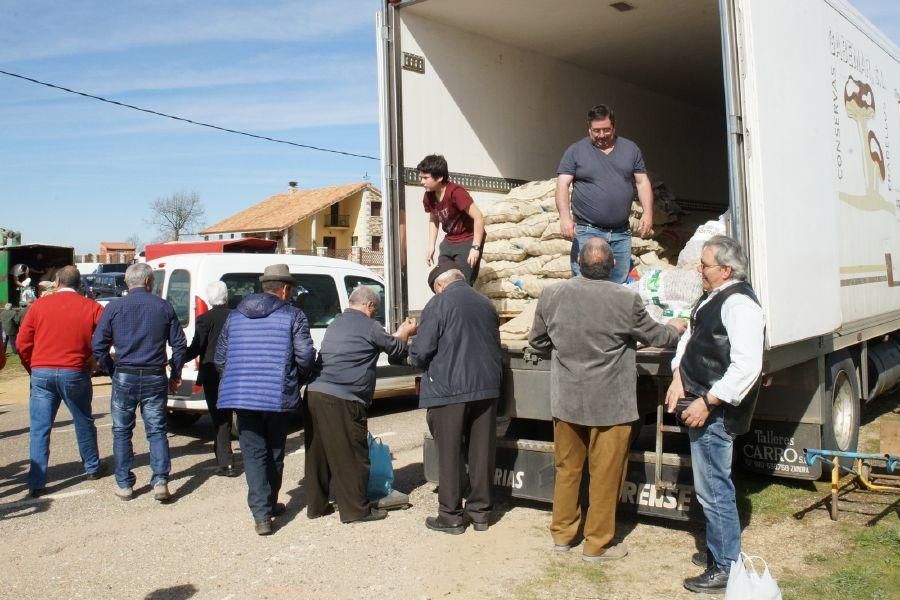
(107, 285)
(111, 267)
(323, 292)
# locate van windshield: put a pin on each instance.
(316, 295)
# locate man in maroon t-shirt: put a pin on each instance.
(451, 206)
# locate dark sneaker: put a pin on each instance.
(229, 472)
(375, 514)
(278, 509)
(161, 492)
(264, 527)
(99, 472)
(700, 559)
(712, 581)
(438, 524)
(36, 493)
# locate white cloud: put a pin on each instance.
(46, 28)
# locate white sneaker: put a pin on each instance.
(161, 492)
(124, 493)
(613, 552)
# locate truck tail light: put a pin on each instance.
(200, 306)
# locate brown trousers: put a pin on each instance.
(606, 451)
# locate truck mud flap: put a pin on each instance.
(525, 469)
(776, 448)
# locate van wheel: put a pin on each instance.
(840, 407)
(178, 419)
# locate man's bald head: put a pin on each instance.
(596, 259)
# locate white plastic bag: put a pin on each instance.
(745, 583)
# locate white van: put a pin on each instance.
(323, 293)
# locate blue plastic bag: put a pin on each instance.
(381, 471)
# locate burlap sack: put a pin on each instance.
(559, 268)
(555, 246)
(531, 246)
(531, 226)
(502, 250)
(533, 285)
(490, 271)
(641, 246)
(510, 211)
(552, 232)
(533, 190)
(511, 305)
(518, 328)
(501, 288)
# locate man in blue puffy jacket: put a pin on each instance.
(265, 354)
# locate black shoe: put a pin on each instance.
(712, 581)
(700, 559)
(478, 525)
(328, 511)
(278, 509)
(375, 514)
(264, 527)
(438, 524)
(35, 493)
(99, 472)
(229, 472)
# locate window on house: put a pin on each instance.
(376, 209)
(376, 242)
(354, 241)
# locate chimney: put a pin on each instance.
(293, 187)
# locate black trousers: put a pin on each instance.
(449, 424)
(263, 436)
(458, 252)
(221, 419)
(337, 452)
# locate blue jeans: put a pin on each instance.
(130, 391)
(49, 387)
(263, 436)
(711, 450)
(620, 241)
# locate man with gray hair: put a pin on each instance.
(140, 325)
(55, 348)
(715, 377)
(206, 336)
(593, 325)
(339, 395)
(458, 346)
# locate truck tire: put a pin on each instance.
(840, 407)
(179, 419)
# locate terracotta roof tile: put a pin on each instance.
(284, 210)
(117, 245)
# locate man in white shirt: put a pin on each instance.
(718, 363)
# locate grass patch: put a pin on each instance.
(13, 368)
(563, 577)
(870, 568)
(761, 494)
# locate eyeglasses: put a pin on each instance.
(704, 267)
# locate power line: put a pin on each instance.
(184, 120)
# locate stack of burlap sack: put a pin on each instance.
(525, 252)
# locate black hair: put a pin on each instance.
(601, 112)
(434, 165)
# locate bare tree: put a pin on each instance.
(177, 215)
(136, 242)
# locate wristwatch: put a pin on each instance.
(476, 247)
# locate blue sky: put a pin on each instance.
(74, 171)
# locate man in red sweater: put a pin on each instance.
(55, 349)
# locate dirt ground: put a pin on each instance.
(80, 541)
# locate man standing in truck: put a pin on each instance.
(718, 365)
(450, 206)
(603, 170)
(593, 398)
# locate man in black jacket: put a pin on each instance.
(458, 346)
(206, 335)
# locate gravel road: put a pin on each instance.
(80, 541)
